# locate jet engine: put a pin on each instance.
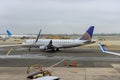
(42, 47)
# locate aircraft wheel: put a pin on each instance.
(53, 50)
(57, 49)
(29, 49)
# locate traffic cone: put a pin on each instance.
(74, 64)
(65, 63)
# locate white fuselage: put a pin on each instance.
(59, 43)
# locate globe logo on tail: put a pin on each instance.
(88, 34)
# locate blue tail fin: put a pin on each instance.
(9, 33)
(88, 34)
(102, 47)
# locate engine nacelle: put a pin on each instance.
(42, 47)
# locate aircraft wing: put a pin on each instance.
(105, 51)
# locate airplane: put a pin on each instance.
(56, 44)
(9, 34)
(105, 51)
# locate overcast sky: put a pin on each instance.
(59, 16)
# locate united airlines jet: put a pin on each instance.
(56, 44)
(9, 34)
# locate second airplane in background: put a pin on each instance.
(9, 34)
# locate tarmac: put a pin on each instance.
(92, 64)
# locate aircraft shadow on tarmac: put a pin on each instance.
(71, 50)
(63, 52)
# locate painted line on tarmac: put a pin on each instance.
(9, 52)
(58, 63)
(49, 68)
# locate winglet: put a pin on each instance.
(9, 33)
(39, 34)
(102, 47)
(88, 34)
